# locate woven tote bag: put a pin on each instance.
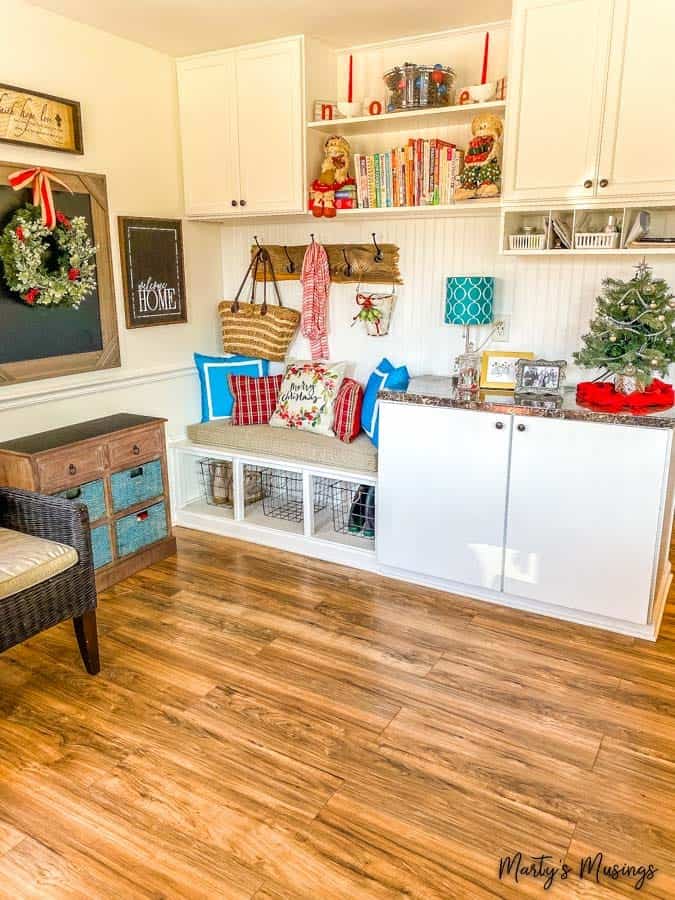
(255, 329)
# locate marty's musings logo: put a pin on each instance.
(594, 868)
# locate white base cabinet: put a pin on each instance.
(570, 515)
(442, 496)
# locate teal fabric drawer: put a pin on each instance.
(91, 494)
(135, 485)
(140, 529)
(101, 546)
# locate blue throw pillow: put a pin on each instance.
(385, 377)
(217, 400)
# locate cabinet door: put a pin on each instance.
(441, 492)
(207, 98)
(638, 143)
(556, 82)
(585, 503)
(271, 127)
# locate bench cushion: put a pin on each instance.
(26, 561)
(287, 443)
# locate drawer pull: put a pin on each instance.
(74, 493)
(135, 449)
(499, 425)
(136, 473)
(521, 427)
(142, 516)
(72, 469)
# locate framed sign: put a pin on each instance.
(40, 120)
(43, 341)
(154, 277)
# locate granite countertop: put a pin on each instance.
(434, 390)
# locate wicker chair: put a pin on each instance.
(69, 595)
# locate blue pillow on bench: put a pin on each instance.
(217, 400)
(385, 377)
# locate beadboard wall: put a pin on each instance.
(550, 299)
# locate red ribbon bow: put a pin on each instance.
(42, 190)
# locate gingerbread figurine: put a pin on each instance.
(482, 173)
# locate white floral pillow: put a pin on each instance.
(307, 396)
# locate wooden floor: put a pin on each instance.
(267, 726)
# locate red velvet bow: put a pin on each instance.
(603, 396)
(42, 190)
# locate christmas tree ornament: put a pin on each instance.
(632, 343)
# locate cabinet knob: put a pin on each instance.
(72, 469)
(521, 427)
(234, 203)
(603, 182)
(242, 203)
(499, 425)
(135, 449)
(588, 183)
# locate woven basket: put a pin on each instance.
(249, 332)
(252, 330)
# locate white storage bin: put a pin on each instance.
(596, 241)
(527, 242)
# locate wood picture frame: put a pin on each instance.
(153, 271)
(498, 369)
(24, 113)
(107, 355)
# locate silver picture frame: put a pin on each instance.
(540, 377)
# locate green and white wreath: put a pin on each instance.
(48, 268)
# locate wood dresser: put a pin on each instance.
(117, 466)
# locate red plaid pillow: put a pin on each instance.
(255, 399)
(348, 403)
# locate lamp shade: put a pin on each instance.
(468, 299)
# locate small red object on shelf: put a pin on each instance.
(483, 77)
(350, 88)
(605, 398)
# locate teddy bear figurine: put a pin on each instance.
(334, 175)
(482, 173)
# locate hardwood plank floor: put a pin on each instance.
(274, 727)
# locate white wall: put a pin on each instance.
(129, 112)
(550, 299)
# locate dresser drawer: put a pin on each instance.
(70, 468)
(141, 529)
(101, 546)
(132, 486)
(91, 494)
(127, 450)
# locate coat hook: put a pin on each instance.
(255, 238)
(379, 255)
(348, 265)
(290, 265)
(312, 237)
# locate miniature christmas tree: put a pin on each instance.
(633, 332)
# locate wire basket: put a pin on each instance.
(282, 494)
(527, 241)
(218, 483)
(596, 240)
(353, 508)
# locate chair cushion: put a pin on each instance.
(287, 443)
(26, 561)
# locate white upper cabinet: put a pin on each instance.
(242, 128)
(559, 56)
(637, 155)
(591, 89)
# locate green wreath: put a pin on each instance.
(48, 268)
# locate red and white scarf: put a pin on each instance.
(315, 286)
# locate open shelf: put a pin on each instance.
(408, 118)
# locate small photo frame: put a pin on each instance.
(540, 377)
(498, 369)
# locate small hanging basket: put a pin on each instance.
(375, 310)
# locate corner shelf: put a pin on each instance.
(414, 118)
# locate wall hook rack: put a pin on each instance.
(370, 263)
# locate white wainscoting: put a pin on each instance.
(550, 299)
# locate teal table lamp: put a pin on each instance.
(469, 301)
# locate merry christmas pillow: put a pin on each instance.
(307, 396)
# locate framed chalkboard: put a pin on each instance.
(43, 342)
(153, 269)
